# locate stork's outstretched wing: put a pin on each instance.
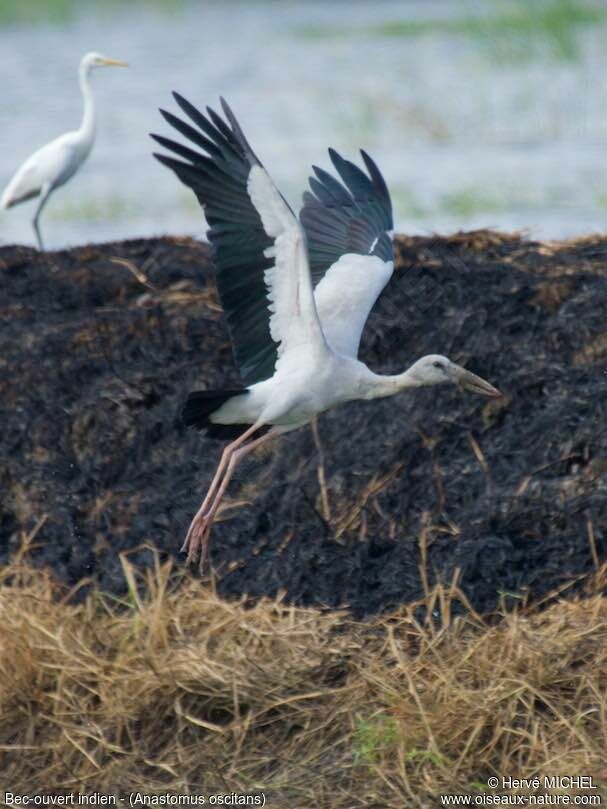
(263, 273)
(349, 231)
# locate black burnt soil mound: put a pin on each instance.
(100, 345)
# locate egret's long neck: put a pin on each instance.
(87, 127)
(378, 386)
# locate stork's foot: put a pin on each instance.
(197, 540)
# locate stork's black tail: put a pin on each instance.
(200, 406)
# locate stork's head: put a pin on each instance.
(94, 59)
(435, 370)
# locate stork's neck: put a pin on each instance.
(87, 127)
(378, 386)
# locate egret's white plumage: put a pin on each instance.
(55, 163)
(296, 292)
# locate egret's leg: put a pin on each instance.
(44, 195)
(205, 522)
(191, 543)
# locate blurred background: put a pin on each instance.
(479, 114)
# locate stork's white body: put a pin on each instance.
(296, 342)
(318, 330)
(293, 396)
(317, 378)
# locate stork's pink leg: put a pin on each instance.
(205, 521)
(225, 456)
(194, 539)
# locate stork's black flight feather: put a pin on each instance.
(355, 217)
(218, 176)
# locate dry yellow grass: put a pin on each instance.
(178, 691)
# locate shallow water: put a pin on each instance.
(465, 137)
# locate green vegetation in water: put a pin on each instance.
(406, 203)
(510, 31)
(27, 11)
(24, 12)
(106, 209)
(464, 203)
(188, 203)
(467, 202)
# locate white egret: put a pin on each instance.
(296, 292)
(52, 165)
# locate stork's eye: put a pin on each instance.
(438, 364)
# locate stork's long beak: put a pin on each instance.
(114, 63)
(475, 384)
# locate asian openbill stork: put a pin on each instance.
(296, 292)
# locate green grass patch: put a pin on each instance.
(427, 755)
(372, 736)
